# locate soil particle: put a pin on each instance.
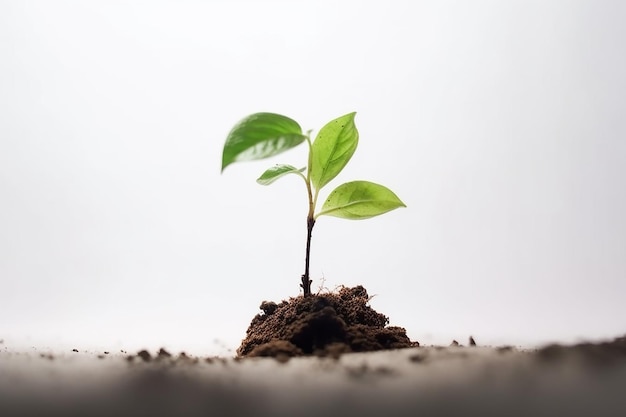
(322, 325)
(183, 357)
(472, 342)
(163, 354)
(144, 355)
(268, 307)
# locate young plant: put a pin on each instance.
(262, 135)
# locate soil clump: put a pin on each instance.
(322, 325)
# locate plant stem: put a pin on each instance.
(306, 281)
(310, 221)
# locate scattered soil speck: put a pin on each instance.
(183, 357)
(163, 354)
(144, 355)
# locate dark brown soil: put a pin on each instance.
(323, 325)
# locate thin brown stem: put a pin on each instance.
(310, 222)
(306, 281)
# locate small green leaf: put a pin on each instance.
(358, 200)
(276, 172)
(259, 136)
(332, 149)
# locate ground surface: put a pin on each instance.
(325, 360)
(581, 380)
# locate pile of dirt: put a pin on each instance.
(322, 325)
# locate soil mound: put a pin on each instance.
(322, 325)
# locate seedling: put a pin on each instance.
(262, 135)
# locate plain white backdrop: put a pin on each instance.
(499, 123)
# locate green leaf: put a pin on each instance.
(277, 171)
(358, 200)
(332, 149)
(259, 136)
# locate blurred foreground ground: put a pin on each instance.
(582, 380)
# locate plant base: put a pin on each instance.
(323, 325)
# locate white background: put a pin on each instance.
(499, 123)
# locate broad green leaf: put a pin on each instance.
(259, 136)
(332, 149)
(358, 200)
(277, 171)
